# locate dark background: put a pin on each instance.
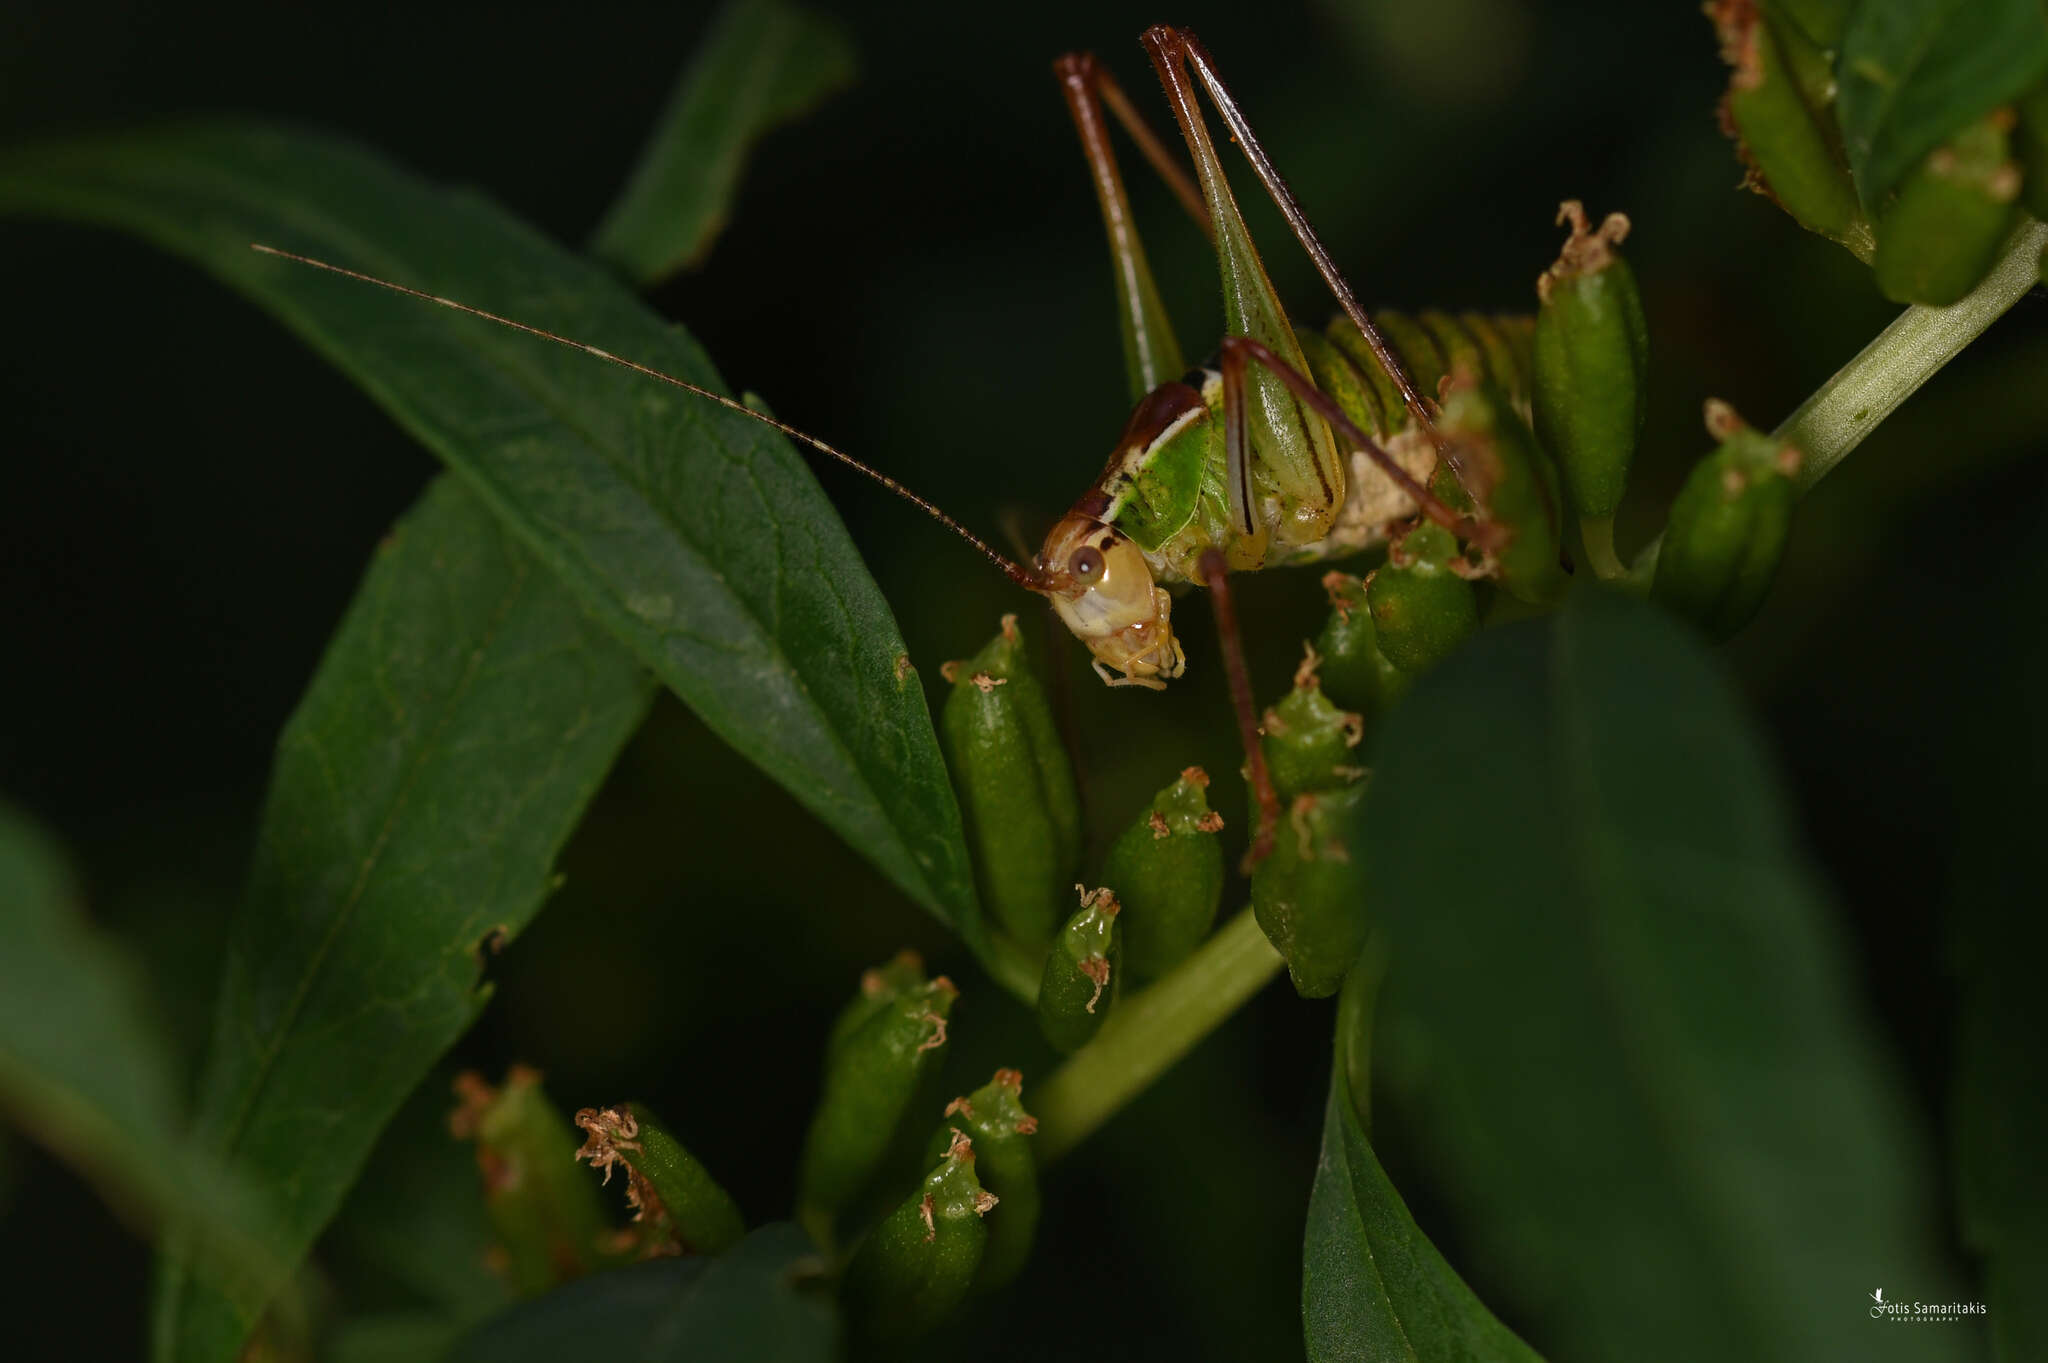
(918, 274)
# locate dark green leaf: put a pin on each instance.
(392, 1337)
(762, 1301)
(1914, 72)
(694, 534)
(1620, 1013)
(85, 1069)
(1373, 1288)
(765, 63)
(2000, 937)
(463, 716)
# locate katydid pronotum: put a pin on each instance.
(1285, 448)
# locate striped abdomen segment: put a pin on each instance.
(1430, 345)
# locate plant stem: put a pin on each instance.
(1906, 354)
(1146, 1034)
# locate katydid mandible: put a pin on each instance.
(1286, 448)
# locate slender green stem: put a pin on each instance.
(1891, 369)
(1147, 1033)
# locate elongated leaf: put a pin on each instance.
(759, 1302)
(1914, 72)
(695, 535)
(1621, 1013)
(463, 716)
(84, 1069)
(2000, 939)
(1373, 1288)
(765, 63)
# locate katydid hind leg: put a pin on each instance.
(1152, 354)
(1293, 447)
(1102, 87)
(1173, 47)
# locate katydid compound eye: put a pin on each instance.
(1086, 564)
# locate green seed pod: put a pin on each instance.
(2030, 147)
(1074, 996)
(872, 1078)
(549, 1220)
(1167, 872)
(1517, 483)
(1728, 527)
(1309, 743)
(681, 1208)
(915, 1267)
(994, 1119)
(1421, 608)
(1779, 108)
(1592, 358)
(1309, 896)
(879, 987)
(1016, 787)
(1356, 675)
(1953, 211)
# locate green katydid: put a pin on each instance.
(1288, 447)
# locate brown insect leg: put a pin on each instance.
(1217, 578)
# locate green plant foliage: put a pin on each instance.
(694, 534)
(765, 63)
(1706, 1159)
(84, 1069)
(1373, 1288)
(756, 1303)
(1914, 72)
(464, 714)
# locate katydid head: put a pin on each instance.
(1099, 583)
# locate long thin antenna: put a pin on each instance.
(1011, 569)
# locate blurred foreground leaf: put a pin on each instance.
(1373, 1288)
(1914, 72)
(693, 534)
(1621, 1014)
(464, 714)
(762, 1301)
(86, 1071)
(764, 63)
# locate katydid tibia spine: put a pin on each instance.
(1290, 448)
